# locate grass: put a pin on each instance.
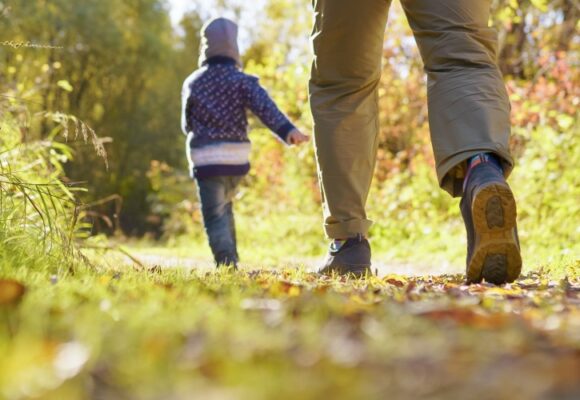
(118, 333)
(288, 239)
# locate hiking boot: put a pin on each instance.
(488, 208)
(349, 257)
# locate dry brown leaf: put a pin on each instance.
(395, 280)
(11, 291)
(467, 316)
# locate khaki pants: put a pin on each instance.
(468, 103)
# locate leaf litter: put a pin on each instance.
(292, 334)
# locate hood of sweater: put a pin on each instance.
(219, 37)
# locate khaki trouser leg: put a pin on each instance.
(348, 41)
(468, 104)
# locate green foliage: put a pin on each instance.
(172, 200)
(119, 67)
(529, 29)
(38, 212)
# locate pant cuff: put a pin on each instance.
(347, 229)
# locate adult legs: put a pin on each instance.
(348, 40)
(469, 120)
(468, 104)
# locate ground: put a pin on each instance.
(147, 332)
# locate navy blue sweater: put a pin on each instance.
(216, 98)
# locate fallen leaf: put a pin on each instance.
(509, 292)
(395, 280)
(289, 288)
(467, 316)
(11, 291)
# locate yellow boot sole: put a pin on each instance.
(496, 256)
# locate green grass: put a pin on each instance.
(288, 239)
(118, 333)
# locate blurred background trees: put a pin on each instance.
(120, 69)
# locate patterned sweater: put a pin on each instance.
(215, 100)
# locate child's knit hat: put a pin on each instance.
(219, 37)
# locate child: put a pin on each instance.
(215, 100)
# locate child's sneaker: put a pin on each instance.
(348, 257)
(227, 261)
(489, 212)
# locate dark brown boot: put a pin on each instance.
(351, 257)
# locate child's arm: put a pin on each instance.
(260, 103)
(297, 137)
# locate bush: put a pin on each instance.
(40, 219)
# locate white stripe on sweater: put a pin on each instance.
(227, 153)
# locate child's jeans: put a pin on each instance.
(216, 195)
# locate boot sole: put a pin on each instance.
(496, 257)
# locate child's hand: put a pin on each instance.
(297, 137)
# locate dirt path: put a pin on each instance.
(381, 267)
